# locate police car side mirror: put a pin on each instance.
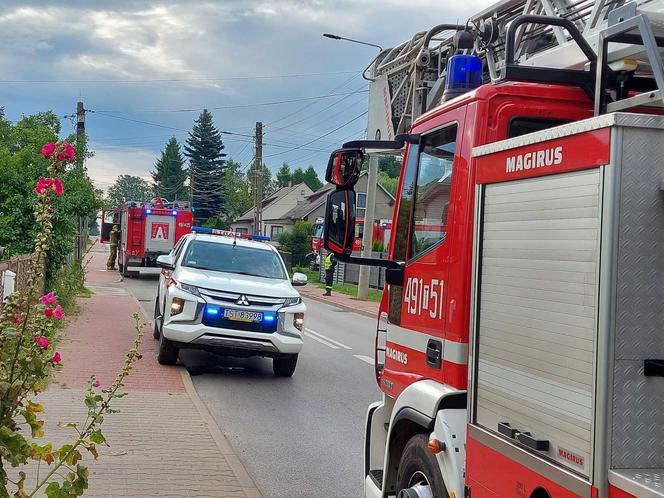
(166, 262)
(339, 229)
(299, 279)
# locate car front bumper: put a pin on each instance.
(186, 330)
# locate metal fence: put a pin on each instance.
(349, 273)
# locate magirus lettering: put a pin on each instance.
(537, 159)
(395, 355)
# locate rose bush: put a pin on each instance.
(28, 325)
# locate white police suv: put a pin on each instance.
(228, 293)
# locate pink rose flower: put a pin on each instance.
(69, 151)
(56, 358)
(18, 320)
(43, 185)
(48, 150)
(42, 342)
(97, 383)
(48, 312)
(48, 299)
(57, 312)
(58, 187)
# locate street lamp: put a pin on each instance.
(370, 207)
(337, 37)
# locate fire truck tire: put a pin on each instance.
(284, 367)
(418, 474)
(168, 352)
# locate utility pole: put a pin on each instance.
(82, 233)
(258, 180)
(367, 236)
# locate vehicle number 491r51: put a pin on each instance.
(424, 297)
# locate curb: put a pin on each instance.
(338, 305)
(246, 482)
(243, 477)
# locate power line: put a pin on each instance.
(179, 80)
(322, 136)
(297, 111)
(236, 106)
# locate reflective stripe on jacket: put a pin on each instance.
(328, 261)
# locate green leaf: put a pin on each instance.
(53, 490)
(73, 457)
(13, 446)
(63, 451)
(90, 402)
(37, 426)
(97, 437)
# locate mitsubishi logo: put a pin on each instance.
(242, 300)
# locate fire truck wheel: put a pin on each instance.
(168, 353)
(418, 475)
(284, 367)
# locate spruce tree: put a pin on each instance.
(169, 175)
(204, 148)
(283, 175)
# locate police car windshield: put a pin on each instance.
(231, 258)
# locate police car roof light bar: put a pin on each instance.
(228, 233)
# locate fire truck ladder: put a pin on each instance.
(416, 69)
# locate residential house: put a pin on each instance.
(314, 205)
(275, 209)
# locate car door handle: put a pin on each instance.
(434, 353)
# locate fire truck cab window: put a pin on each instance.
(432, 193)
(524, 125)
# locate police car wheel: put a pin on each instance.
(168, 352)
(155, 328)
(418, 475)
(284, 367)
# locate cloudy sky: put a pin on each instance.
(144, 69)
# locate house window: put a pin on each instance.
(242, 230)
(361, 205)
(275, 231)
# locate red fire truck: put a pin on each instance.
(147, 230)
(520, 348)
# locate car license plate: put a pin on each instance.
(243, 316)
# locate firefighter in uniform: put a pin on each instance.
(330, 264)
(113, 244)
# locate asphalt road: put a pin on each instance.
(297, 437)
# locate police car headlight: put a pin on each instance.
(177, 305)
(291, 301)
(189, 288)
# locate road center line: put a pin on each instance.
(365, 359)
(322, 341)
(328, 339)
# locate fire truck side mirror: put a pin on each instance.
(339, 229)
(344, 166)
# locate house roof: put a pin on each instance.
(317, 199)
(270, 200)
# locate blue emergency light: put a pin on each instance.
(464, 73)
(261, 237)
(212, 310)
(148, 211)
(174, 213)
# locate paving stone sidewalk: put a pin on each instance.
(164, 442)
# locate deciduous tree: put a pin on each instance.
(129, 188)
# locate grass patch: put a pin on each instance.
(348, 289)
